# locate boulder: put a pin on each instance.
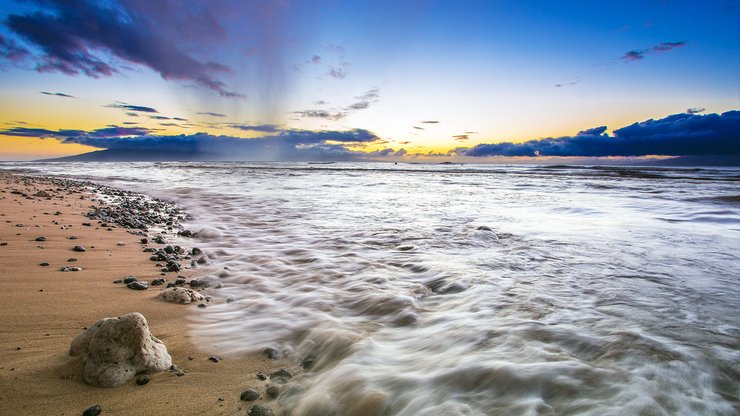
(180, 295)
(114, 350)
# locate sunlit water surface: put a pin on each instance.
(469, 289)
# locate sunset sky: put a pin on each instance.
(396, 80)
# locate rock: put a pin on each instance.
(180, 295)
(173, 266)
(260, 410)
(186, 233)
(138, 285)
(114, 350)
(205, 281)
(79, 249)
(262, 376)
(483, 228)
(129, 279)
(92, 410)
(149, 250)
(281, 376)
(214, 358)
(179, 281)
(202, 260)
(249, 395)
(140, 381)
(118, 281)
(71, 260)
(202, 305)
(154, 258)
(41, 238)
(43, 264)
(70, 269)
(160, 240)
(158, 282)
(169, 249)
(144, 241)
(272, 392)
(195, 251)
(271, 353)
(308, 362)
(120, 244)
(72, 237)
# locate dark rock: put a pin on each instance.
(271, 353)
(92, 410)
(170, 284)
(149, 250)
(273, 392)
(144, 241)
(41, 238)
(173, 266)
(179, 281)
(154, 258)
(179, 373)
(186, 233)
(308, 362)
(202, 260)
(71, 260)
(79, 249)
(483, 228)
(214, 358)
(202, 305)
(281, 376)
(140, 381)
(249, 395)
(72, 237)
(169, 249)
(137, 285)
(87, 224)
(43, 264)
(129, 279)
(160, 240)
(158, 282)
(262, 376)
(260, 410)
(118, 281)
(195, 251)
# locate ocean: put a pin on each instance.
(426, 289)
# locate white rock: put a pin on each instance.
(180, 295)
(114, 350)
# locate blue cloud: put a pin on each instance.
(676, 135)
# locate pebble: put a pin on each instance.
(70, 269)
(79, 249)
(271, 353)
(160, 240)
(129, 279)
(72, 237)
(71, 260)
(144, 241)
(202, 305)
(195, 251)
(214, 359)
(281, 376)
(249, 395)
(260, 410)
(43, 264)
(140, 381)
(186, 233)
(262, 376)
(158, 282)
(42, 238)
(137, 285)
(118, 281)
(120, 244)
(272, 392)
(92, 410)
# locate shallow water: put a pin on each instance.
(470, 289)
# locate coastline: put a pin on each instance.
(45, 308)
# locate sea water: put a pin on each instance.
(418, 289)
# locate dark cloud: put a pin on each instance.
(287, 145)
(639, 54)
(461, 137)
(371, 96)
(695, 110)
(429, 122)
(106, 132)
(57, 94)
(263, 128)
(675, 135)
(179, 119)
(75, 35)
(315, 59)
(10, 51)
(130, 114)
(159, 118)
(208, 113)
(320, 102)
(322, 114)
(418, 128)
(359, 105)
(130, 107)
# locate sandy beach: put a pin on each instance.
(44, 308)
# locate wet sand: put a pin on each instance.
(44, 308)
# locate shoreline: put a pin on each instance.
(45, 308)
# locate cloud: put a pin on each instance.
(10, 51)
(369, 97)
(159, 118)
(130, 107)
(338, 73)
(57, 94)
(286, 145)
(208, 113)
(676, 135)
(418, 128)
(315, 59)
(639, 54)
(106, 132)
(263, 128)
(322, 114)
(695, 110)
(429, 122)
(461, 137)
(82, 37)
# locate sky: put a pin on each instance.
(382, 80)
